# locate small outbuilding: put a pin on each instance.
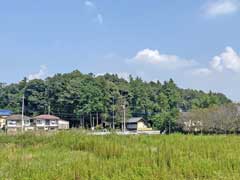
(63, 125)
(136, 124)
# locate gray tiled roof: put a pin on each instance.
(47, 117)
(18, 117)
(134, 120)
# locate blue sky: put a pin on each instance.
(194, 42)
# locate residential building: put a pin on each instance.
(137, 124)
(46, 122)
(3, 115)
(14, 123)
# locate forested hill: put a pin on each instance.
(75, 95)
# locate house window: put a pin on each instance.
(53, 122)
(40, 122)
(27, 122)
(47, 123)
(12, 123)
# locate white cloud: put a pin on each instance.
(154, 57)
(39, 75)
(100, 18)
(216, 63)
(228, 60)
(89, 4)
(221, 7)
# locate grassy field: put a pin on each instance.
(73, 155)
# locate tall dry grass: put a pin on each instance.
(74, 155)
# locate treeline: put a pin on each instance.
(224, 119)
(85, 98)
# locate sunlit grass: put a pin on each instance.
(74, 155)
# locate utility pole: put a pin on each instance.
(113, 114)
(91, 120)
(124, 118)
(124, 111)
(49, 109)
(23, 101)
(97, 119)
(169, 126)
(83, 125)
(47, 95)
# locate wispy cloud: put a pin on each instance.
(39, 75)
(216, 8)
(89, 4)
(201, 72)
(100, 18)
(97, 14)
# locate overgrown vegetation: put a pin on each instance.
(84, 99)
(73, 155)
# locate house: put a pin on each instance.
(46, 122)
(3, 115)
(189, 123)
(14, 123)
(137, 124)
(63, 125)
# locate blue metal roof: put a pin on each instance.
(5, 112)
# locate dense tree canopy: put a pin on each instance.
(82, 98)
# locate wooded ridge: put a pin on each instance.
(74, 96)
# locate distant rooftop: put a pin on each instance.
(5, 112)
(134, 120)
(47, 117)
(18, 117)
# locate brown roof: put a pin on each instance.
(18, 117)
(47, 117)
